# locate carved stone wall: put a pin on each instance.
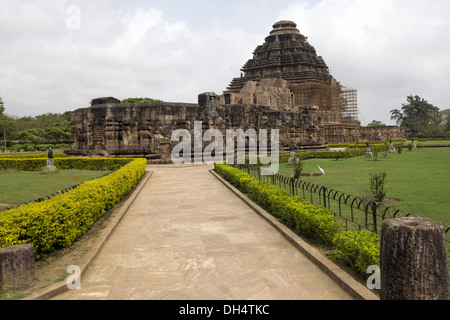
(145, 130)
(129, 129)
(381, 133)
(270, 92)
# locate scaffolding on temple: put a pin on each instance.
(322, 95)
(349, 104)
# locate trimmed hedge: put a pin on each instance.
(344, 154)
(57, 222)
(314, 222)
(30, 156)
(62, 163)
(360, 249)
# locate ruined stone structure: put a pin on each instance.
(381, 133)
(145, 130)
(286, 86)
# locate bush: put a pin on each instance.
(377, 182)
(30, 156)
(359, 249)
(328, 154)
(298, 168)
(37, 161)
(314, 222)
(57, 222)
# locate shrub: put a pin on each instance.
(314, 222)
(59, 221)
(37, 161)
(356, 152)
(375, 155)
(298, 168)
(359, 249)
(377, 182)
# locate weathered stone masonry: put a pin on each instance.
(145, 130)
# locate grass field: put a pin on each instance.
(18, 187)
(418, 181)
(433, 142)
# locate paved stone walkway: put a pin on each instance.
(187, 236)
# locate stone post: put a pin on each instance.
(17, 267)
(413, 260)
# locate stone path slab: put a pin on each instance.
(187, 236)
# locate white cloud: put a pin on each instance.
(116, 51)
(138, 25)
(174, 50)
(387, 49)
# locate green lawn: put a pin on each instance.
(433, 142)
(418, 180)
(17, 187)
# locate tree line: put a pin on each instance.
(419, 117)
(48, 128)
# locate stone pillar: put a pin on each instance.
(413, 260)
(17, 267)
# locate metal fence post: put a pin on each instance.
(324, 196)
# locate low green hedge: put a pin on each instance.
(62, 163)
(344, 154)
(360, 249)
(57, 222)
(30, 156)
(314, 222)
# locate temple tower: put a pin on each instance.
(286, 54)
(286, 60)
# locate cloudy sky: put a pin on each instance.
(57, 55)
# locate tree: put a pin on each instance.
(6, 123)
(32, 135)
(417, 115)
(445, 114)
(2, 110)
(376, 123)
(50, 127)
(57, 134)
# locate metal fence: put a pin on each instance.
(354, 212)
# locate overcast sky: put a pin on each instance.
(57, 55)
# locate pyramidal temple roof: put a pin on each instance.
(284, 54)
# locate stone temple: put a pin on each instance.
(285, 86)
